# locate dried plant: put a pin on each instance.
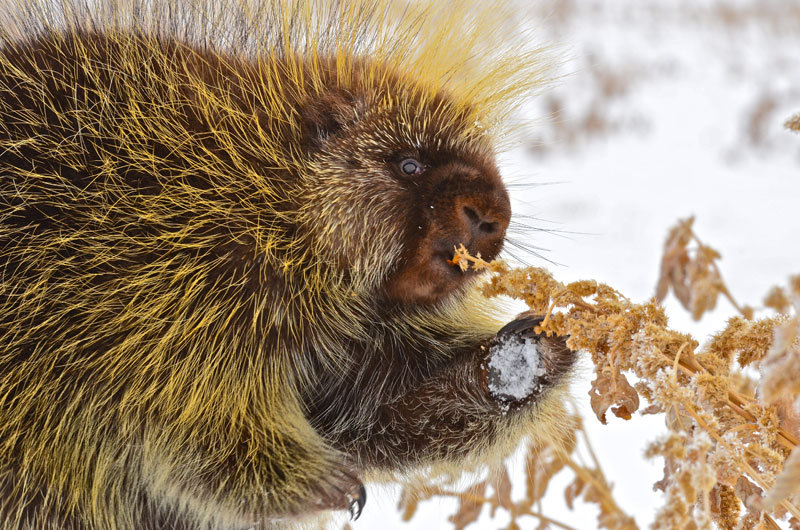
(793, 123)
(606, 101)
(689, 268)
(492, 489)
(731, 457)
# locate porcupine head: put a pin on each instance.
(225, 238)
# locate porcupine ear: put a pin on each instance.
(325, 115)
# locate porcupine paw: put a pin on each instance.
(342, 490)
(515, 366)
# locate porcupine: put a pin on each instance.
(225, 293)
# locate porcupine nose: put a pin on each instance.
(479, 223)
(485, 224)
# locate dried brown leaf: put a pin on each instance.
(692, 273)
(608, 390)
(501, 484)
(662, 286)
(680, 285)
(469, 507)
(540, 467)
(705, 289)
(600, 397)
(673, 263)
(677, 419)
(626, 398)
(591, 493)
(573, 491)
(750, 495)
(410, 497)
(407, 504)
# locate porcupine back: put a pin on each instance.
(171, 245)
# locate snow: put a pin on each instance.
(515, 368)
(681, 135)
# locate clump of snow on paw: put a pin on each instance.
(515, 368)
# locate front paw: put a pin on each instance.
(341, 490)
(521, 364)
(514, 363)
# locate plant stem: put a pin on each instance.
(477, 499)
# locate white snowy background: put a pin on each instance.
(666, 109)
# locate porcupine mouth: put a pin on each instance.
(443, 255)
(443, 260)
(432, 277)
(447, 278)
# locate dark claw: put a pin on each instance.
(522, 326)
(357, 504)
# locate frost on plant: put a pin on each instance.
(731, 458)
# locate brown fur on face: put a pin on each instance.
(457, 203)
(417, 220)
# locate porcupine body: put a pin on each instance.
(224, 233)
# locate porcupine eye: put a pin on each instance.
(409, 166)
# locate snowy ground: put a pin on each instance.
(669, 109)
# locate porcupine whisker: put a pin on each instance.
(524, 229)
(529, 249)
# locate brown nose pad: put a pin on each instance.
(482, 227)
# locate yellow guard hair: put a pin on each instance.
(474, 51)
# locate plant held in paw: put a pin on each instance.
(224, 230)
